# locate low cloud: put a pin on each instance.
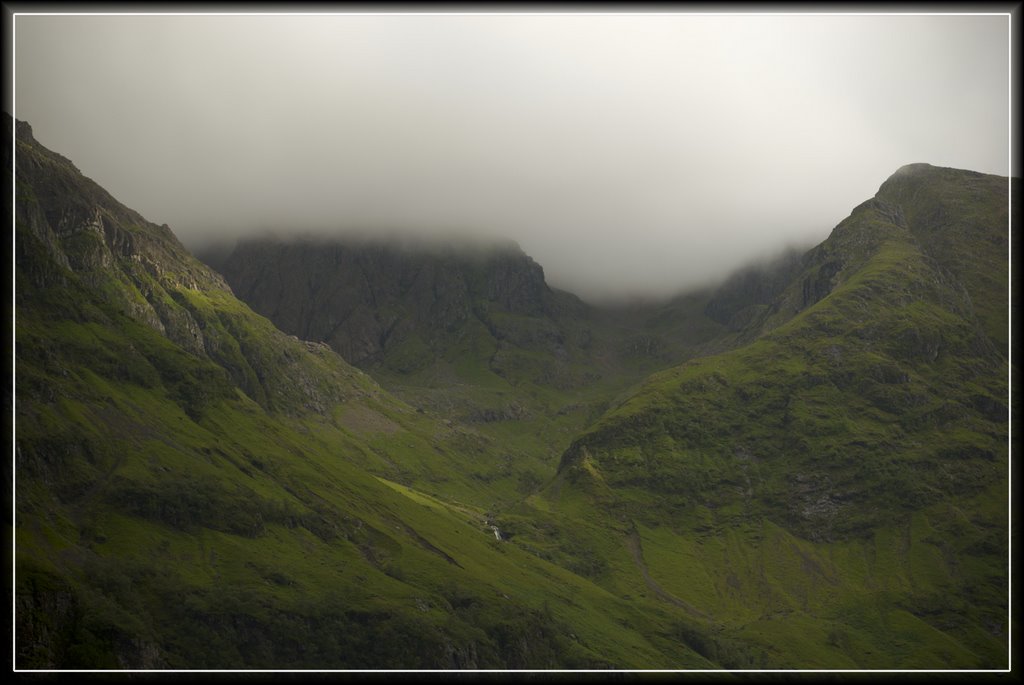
(625, 153)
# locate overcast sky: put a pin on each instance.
(625, 153)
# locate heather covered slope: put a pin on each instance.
(834, 493)
(196, 489)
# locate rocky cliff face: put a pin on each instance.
(745, 296)
(76, 244)
(71, 223)
(366, 298)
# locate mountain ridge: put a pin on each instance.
(438, 287)
(169, 516)
(876, 407)
(820, 485)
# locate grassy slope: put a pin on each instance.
(502, 380)
(253, 501)
(194, 488)
(483, 345)
(835, 493)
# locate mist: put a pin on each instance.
(628, 154)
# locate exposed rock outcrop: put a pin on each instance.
(365, 298)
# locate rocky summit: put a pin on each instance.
(329, 453)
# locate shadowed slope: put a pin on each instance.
(853, 455)
(196, 489)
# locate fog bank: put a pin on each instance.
(625, 153)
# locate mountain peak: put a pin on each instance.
(199, 489)
(914, 168)
(920, 171)
(23, 131)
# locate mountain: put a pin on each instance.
(196, 489)
(470, 333)
(748, 294)
(815, 475)
(836, 400)
(835, 491)
(377, 302)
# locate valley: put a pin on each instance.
(326, 453)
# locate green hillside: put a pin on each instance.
(470, 334)
(825, 487)
(195, 489)
(833, 494)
